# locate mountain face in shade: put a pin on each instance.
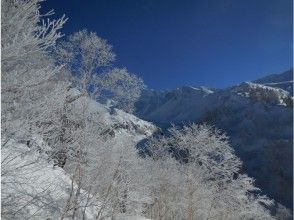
(256, 115)
(283, 81)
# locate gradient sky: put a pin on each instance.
(170, 43)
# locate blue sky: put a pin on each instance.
(170, 43)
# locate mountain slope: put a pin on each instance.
(41, 189)
(283, 81)
(176, 106)
(257, 117)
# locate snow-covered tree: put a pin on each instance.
(28, 73)
(211, 184)
(120, 86)
(84, 54)
(89, 59)
(32, 93)
(25, 31)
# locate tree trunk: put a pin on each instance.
(190, 196)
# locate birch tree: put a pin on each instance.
(89, 59)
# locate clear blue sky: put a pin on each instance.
(169, 43)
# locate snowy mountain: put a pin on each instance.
(256, 115)
(176, 106)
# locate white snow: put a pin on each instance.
(32, 182)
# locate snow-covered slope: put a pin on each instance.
(257, 117)
(113, 121)
(33, 187)
(29, 182)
